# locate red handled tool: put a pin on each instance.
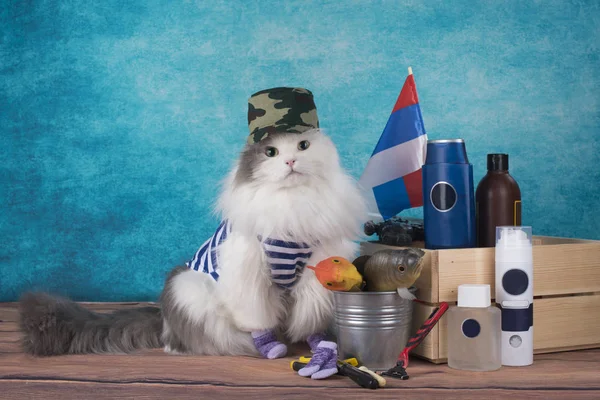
(399, 370)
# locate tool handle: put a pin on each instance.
(352, 361)
(362, 378)
(423, 331)
(297, 365)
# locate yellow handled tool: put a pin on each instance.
(352, 361)
(300, 363)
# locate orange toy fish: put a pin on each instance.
(339, 274)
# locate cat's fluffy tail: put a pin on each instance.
(53, 325)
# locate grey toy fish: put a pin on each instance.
(391, 269)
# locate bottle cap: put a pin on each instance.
(513, 237)
(474, 296)
(446, 151)
(497, 162)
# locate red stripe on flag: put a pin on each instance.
(408, 94)
(414, 187)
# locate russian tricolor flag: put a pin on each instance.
(393, 173)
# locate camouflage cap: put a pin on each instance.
(281, 109)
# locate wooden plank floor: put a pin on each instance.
(154, 374)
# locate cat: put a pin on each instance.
(287, 190)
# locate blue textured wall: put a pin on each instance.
(118, 118)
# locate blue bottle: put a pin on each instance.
(448, 196)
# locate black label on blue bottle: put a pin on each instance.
(443, 196)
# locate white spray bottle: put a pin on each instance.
(514, 293)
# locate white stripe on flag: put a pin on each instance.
(395, 162)
(373, 210)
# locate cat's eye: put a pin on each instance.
(303, 145)
(271, 152)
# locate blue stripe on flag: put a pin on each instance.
(403, 125)
(391, 198)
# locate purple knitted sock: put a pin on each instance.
(314, 340)
(268, 345)
(323, 362)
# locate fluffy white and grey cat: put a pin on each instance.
(287, 188)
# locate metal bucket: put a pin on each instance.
(372, 326)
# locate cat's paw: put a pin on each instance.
(277, 351)
(268, 346)
(323, 362)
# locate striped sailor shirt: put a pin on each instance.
(286, 259)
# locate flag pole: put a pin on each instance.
(410, 70)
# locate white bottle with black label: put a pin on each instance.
(514, 293)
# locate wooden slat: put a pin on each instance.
(560, 371)
(154, 374)
(560, 323)
(9, 326)
(549, 370)
(563, 349)
(8, 312)
(566, 321)
(49, 390)
(460, 266)
(546, 240)
(434, 259)
(561, 266)
(565, 269)
(558, 269)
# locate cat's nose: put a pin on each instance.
(290, 162)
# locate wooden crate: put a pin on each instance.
(566, 285)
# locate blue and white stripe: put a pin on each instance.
(206, 259)
(286, 260)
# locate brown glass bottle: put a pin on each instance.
(497, 200)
